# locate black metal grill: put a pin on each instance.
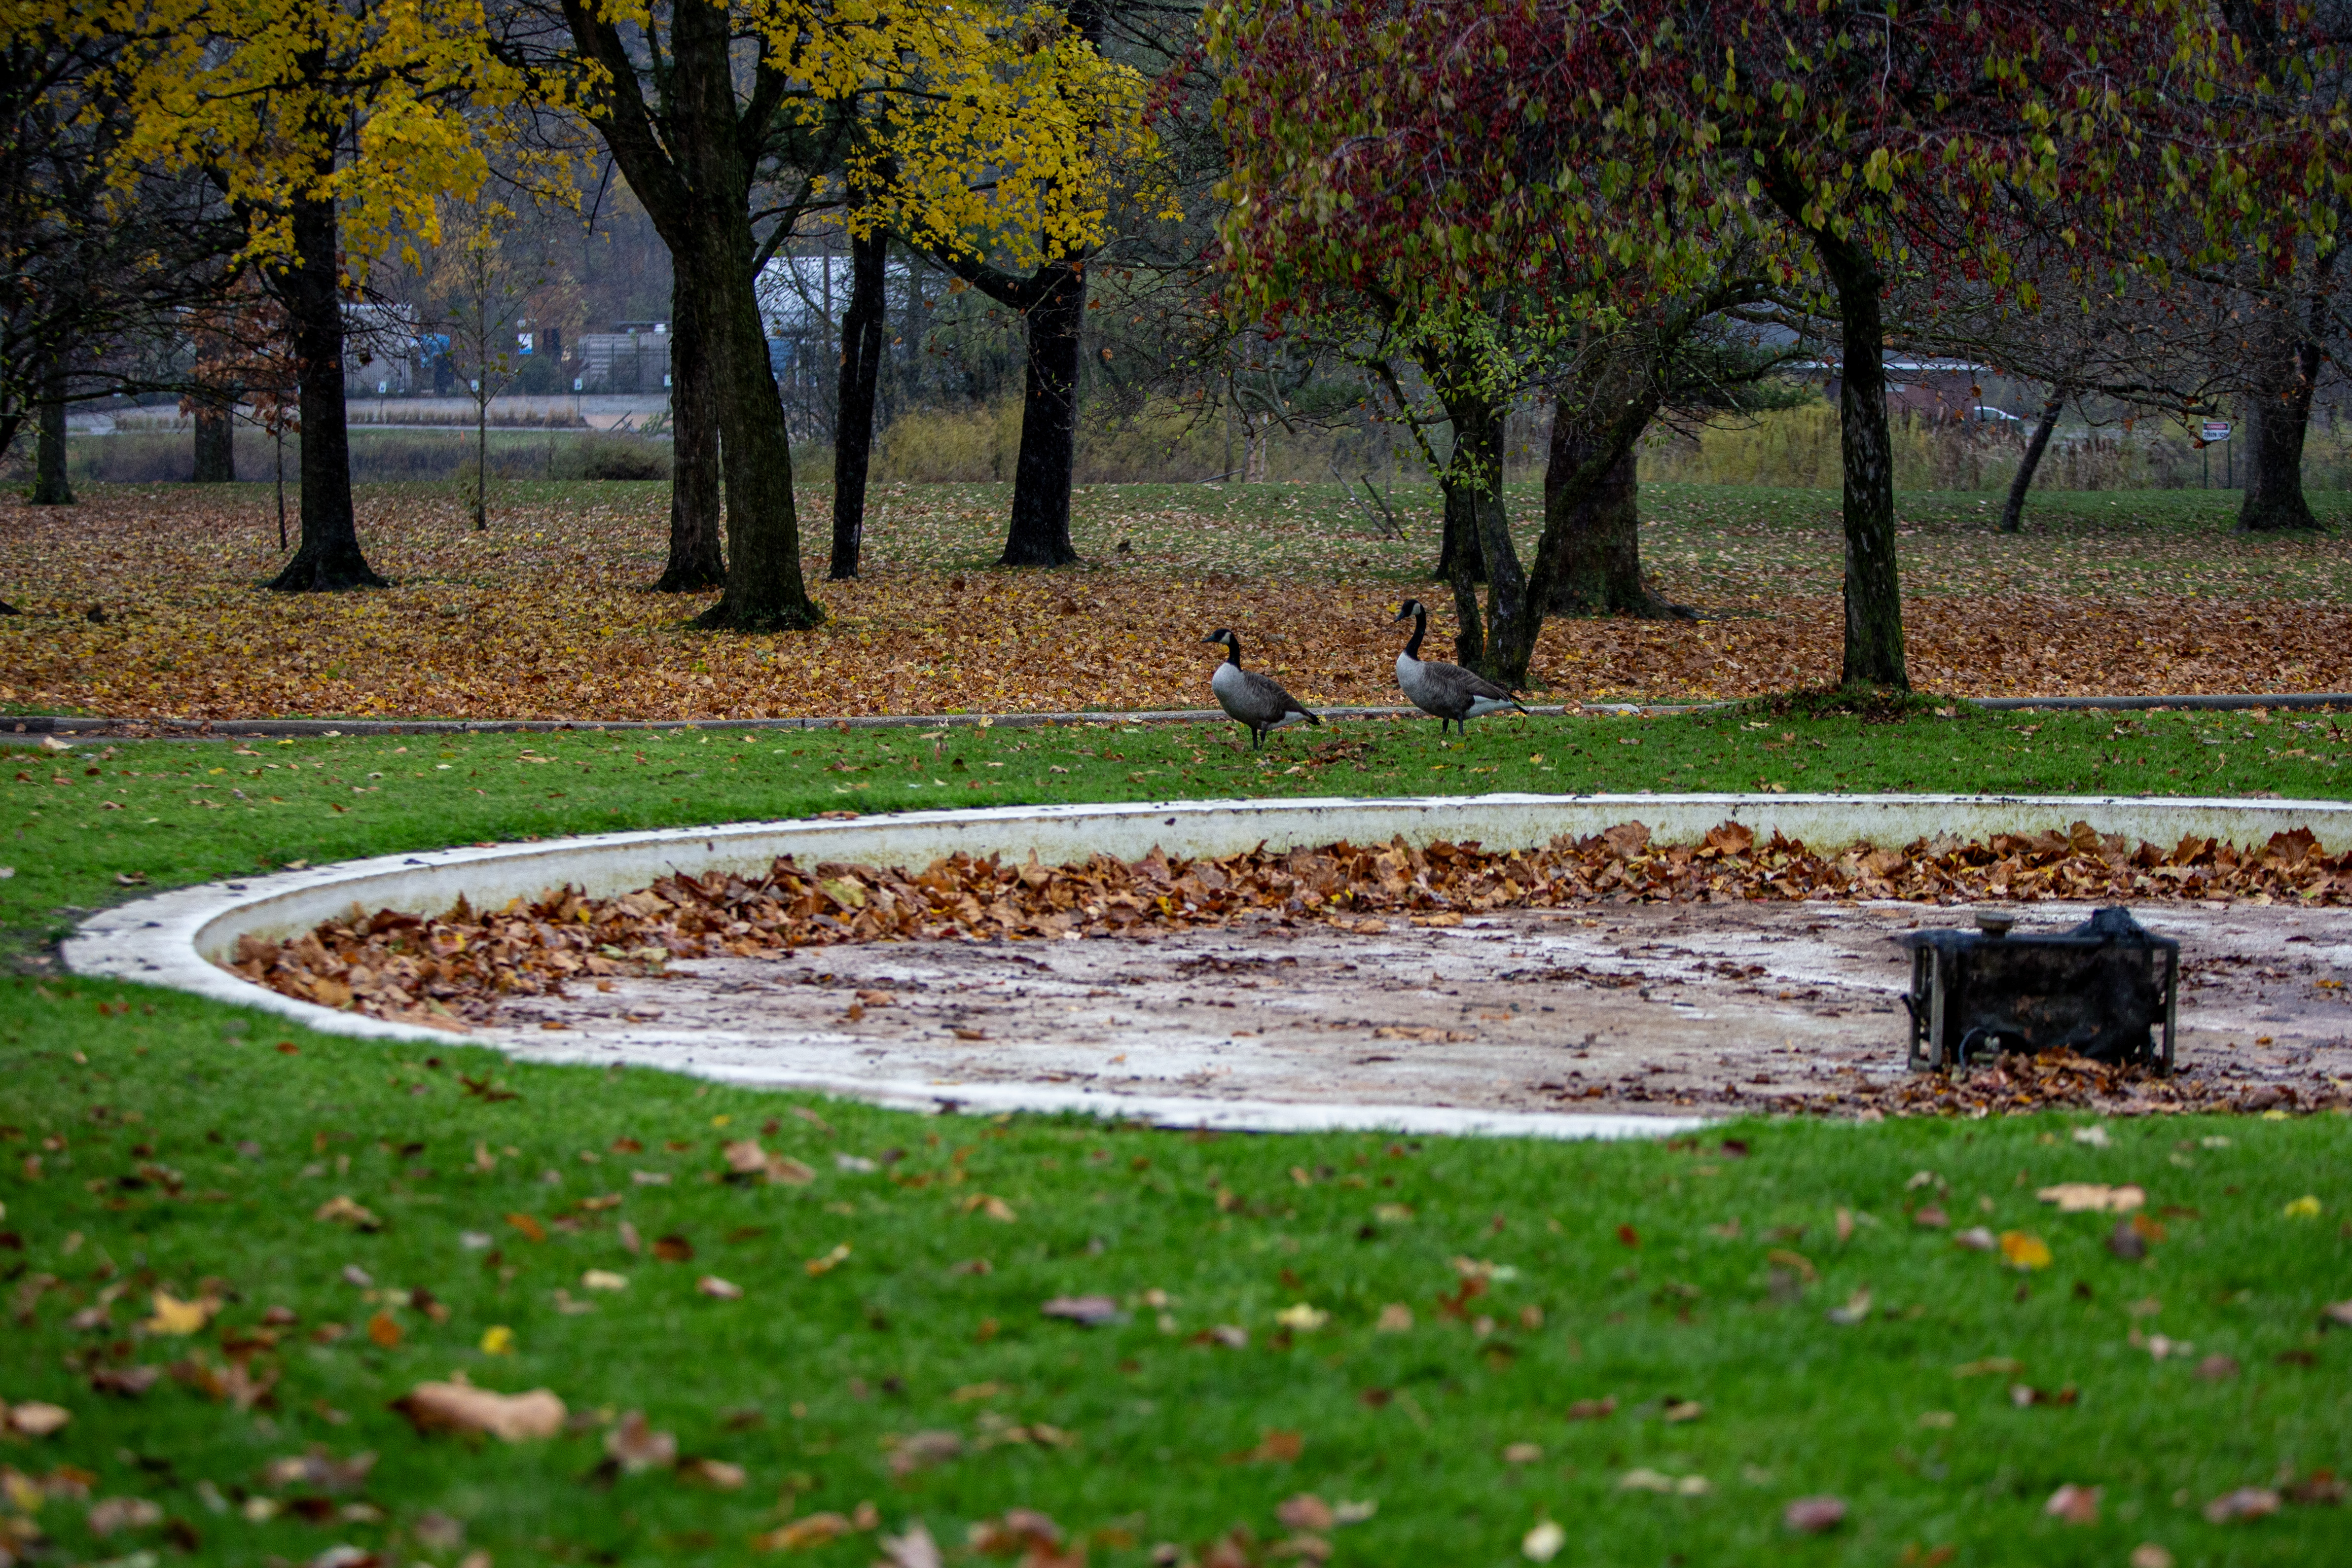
(2108, 990)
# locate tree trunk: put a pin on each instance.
(764, 590)
(1472, 487)
(696, 561)
(861, 376)
(1056, 315)
(1599, 571)
(1581, 473)
(51, 484)
(329, 557)
(1874, 591)
(2277, 413)
(215, 454)
(2012, 513)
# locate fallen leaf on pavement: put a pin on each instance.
(2074, 1504)
(462, 1408)
(1813, 1515)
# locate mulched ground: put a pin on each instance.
(143, 603)
(457, 971)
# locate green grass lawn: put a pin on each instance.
(154, 1143)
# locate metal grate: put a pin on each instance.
(2108, 989)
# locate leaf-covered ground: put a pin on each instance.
(141, 603)
(232, 1248)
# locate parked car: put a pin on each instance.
(1985, 413)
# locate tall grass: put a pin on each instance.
(1797, 448)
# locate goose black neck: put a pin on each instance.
(1420, 627)
(1233, 651)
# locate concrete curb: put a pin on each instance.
(181, 938)
(337, 728)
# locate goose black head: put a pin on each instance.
(1222, 635)
(1407, 611)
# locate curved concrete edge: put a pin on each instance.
(181, 938)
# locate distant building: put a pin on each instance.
(1933, 389)
(634, 358)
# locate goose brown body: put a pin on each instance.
(1453, 693)
(1249, 697)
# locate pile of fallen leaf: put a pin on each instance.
(2054, 1080)
(145, 602)
(453, 971)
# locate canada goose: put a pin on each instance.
(1449, 691)
(1252, 698)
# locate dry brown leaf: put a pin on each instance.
(1814, 1515)
(722, 1290)
(636, 1446)
(34, 1418)
(2246, 1502)
(2092, 1197)
(111, 1514)
(1086, 1311)
(462, 1408)
(914, 1549)
(1307, 1511)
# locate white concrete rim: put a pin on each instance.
(178, 938)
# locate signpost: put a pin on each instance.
(2208, 434)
